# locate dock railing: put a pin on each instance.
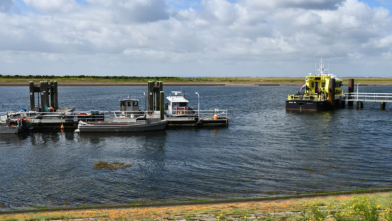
(369, 97)
(211, 113)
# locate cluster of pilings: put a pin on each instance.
(156, 97)
(47, 93)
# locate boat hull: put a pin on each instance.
(121, 127)
(10, 130)
(308, 105)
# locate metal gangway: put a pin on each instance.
(359, 98)
(369, 97)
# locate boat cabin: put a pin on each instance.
(178, 104)
(316, 86)
(130, 105)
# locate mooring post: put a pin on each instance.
(162, 104)
(42, 94)
(51, 94)
(157, 96)
(56, 96)
(32, 101)
(357, 105)
(383, 105)
(150, 96)
(361, 103)
(47, 93)
(350, 90)
(332, 93)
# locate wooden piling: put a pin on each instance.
(361, 103)
(350, 90)
(162, 104)
(157, 96)
(383, 104)
(56, 95)
(357, 105)
(47, 93)
(51, 94)
(150, 96)
(42, 94)
(32, 101)
(332, 93)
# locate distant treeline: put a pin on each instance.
(88, 78)
(81, 77)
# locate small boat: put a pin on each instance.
(128, 119)
(178, 113)
(10, 125)
(314, 93)
(118, 125)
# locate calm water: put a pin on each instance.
(264, 151)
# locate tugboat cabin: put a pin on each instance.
(129, 105)
(178, 105)
(314, 93)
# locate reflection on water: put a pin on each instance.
(265, 150)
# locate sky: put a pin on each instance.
(195, 38)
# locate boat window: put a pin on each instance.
(183, 104)
(135, 103)
(323, 84)
(122, 103)
(129, 104)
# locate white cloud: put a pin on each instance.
(136, 34)
(52, 6)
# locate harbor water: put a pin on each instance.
(265, 151)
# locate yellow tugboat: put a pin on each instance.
(320, 92)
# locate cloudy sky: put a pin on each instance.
(195, 38)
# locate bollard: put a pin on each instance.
(350, 90)
(150, 96)
(332, 93)
(383, 105)
(56, 96)
(32, 101)
(51, 93)
(162, 104)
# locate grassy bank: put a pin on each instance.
(83, 78)
(344, 207)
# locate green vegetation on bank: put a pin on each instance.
(87, 78)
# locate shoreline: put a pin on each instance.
(328, 205)
(154, 204)
(189, 83)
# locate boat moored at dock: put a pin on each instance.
(178, 113)
(121, 123)
(320, 92)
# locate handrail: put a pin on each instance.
(370, 97)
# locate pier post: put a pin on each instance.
(361, 103)
(332, 93)
(157, 96)
(162, 104)
(357, 105)
(56, 96)
(350, 90)
(51, 94)
(42, 94)
(47, 93)
(383, 105)
(32, 101)
(150, 96)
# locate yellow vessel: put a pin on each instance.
(320, 92)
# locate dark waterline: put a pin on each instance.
(264, 151)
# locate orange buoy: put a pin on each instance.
(215, 117)
(62, 127)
